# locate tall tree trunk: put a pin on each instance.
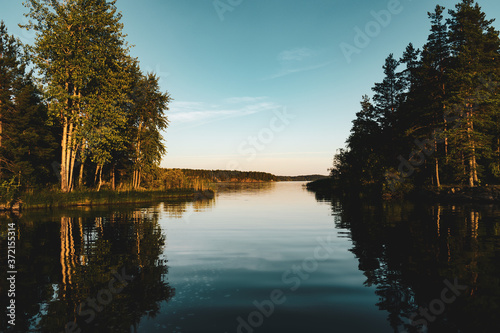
(471, 173)
(68, 158)
(113, 177)
(137, 179)
(80, 176)
(438, 183)
(137, 174)
(64, 147)
(96, 174)
(445, 135)
(438, 220)
(464, 168)
(443, 92)
(472, 157)
(474, 163)
(72, 167)
(100, 179)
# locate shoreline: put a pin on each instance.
(487, 194)
(54, 199)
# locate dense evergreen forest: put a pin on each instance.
(75, 107)
(434, 120)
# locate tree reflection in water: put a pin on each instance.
(408, 250)
(81, 289)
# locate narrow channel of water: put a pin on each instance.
(265, 257)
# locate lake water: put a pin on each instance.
(265, 257)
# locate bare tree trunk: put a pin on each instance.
(80, 176)
(476, 179)
(438, 183)
(470, 144)
(96, 173)
(113, 177)
(136, 182)
(69, 153)
(471, 173)
(438, 221)
(464, 168)
(445, 140)
(72, 167)
(100, 179)
(64, 146)
(137, 174)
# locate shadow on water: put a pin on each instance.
(96, 270)
(436, 268)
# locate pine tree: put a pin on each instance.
(27, 144)
(429, 120)
(387, 99)
(409, 76)
(474, 67)
(387, 93)
(366, 147)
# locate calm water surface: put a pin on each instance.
(257, 258)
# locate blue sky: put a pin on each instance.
(264, 85)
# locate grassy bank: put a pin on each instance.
(57, 199)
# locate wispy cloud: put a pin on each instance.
(297, 54)
(246, 99)
(200, 113)
(298, 60)
(287, 71)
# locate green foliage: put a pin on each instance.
(9, 192)
(442, 111)
(56, 198)
(111, 114)
(229, 175)
(27, 144)
(146, 121)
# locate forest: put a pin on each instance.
(244, 176)
(76, 110)
(434, 120)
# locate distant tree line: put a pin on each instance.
(86, 114)
(302, 178)
(229, 175)
(241, 176)
(434, 119)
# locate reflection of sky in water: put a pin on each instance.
(227, 256)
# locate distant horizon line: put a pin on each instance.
(299, 175)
